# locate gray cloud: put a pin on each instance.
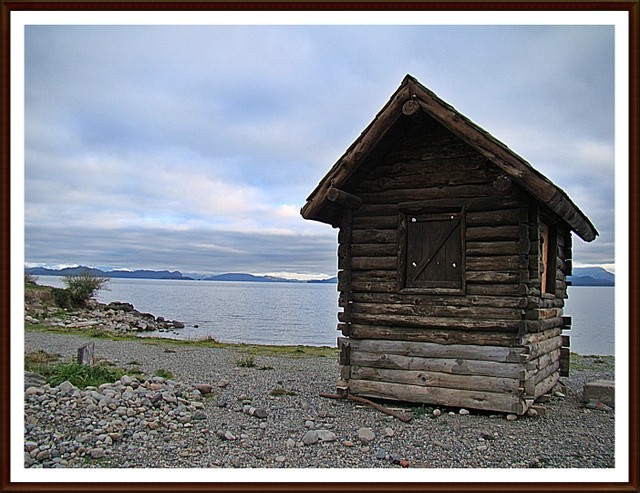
(143, 142)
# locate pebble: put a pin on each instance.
(326, 436)
(366, 435)
(310, 437)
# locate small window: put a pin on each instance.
(548, 265)
(431, 251)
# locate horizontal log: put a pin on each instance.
(374, 263)
(389, 275)
(362, 331)
(502, 217)
(498, 354)
(543, 313)
(376, 222)
(492, 233)
(388, 219)
(374, 249)
(438, 192)
(546, 346)
(374, 286)
(538, 337)
(436, 322)
(471, 204)
(461, 301)
(443, 365)
(437, 379)
(486, 248)
(540, 325)
(543, 373)
(534, 302)
(492, 277)
(434, 181)
(545, 360)
(516, 290)
(493, 401)
(409, 171)
(438, 310)
(546, 385)
(374, 236)
(496, 263)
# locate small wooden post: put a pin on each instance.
(85, 354)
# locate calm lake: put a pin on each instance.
(298, 313)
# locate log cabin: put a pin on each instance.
(453, 253)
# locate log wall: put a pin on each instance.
(497, 345)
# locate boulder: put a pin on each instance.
(603, 391)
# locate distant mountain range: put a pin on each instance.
(133, 274)
(582, 276)
(165, 274)
(591, 276)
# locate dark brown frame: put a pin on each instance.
(630, 6)
(424, 210)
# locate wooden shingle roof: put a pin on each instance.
(319, 207)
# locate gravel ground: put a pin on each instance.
(215, 413)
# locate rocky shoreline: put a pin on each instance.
(217, 411)
(116, 317)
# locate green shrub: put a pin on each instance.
(62, 297)
(83, 286)
(81, 376)
(247, 361)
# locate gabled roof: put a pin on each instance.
(319, 207)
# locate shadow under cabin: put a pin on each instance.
(453, 253)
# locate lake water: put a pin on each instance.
(297, 313)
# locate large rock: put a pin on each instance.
(603, 391)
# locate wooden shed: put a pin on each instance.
(453, 255)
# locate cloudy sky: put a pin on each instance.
(193, 147)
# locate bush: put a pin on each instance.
(62, 297)
(247, 361)
(83, 286)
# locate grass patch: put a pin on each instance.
(422, 410)
(246, 361)
(591, 362)
(81, 376)
(95, 333)
(39, 358)
(162, 373)
(254, 349)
